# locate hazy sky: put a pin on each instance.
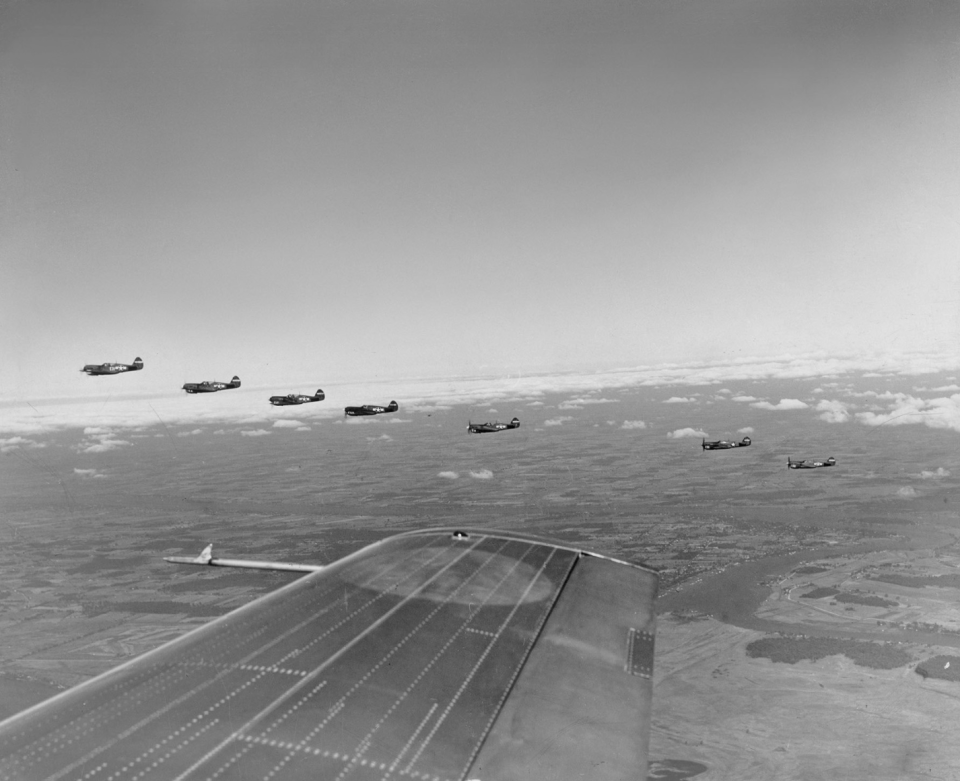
(304, 192)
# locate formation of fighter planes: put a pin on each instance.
(726, 444)
(212, 386)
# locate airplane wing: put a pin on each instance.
(429, 655)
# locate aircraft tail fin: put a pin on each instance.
(235, 382)
(746, 440)
(320, 394)
(393, 406)
(138, 362)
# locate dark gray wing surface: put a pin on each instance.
(428, 656)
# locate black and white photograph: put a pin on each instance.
(691, 268)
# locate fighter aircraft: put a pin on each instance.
(211, 386)
(791, 464)
(371, 409)
(724, 444)
(486, 428)
(294, 398)
(96, 369)
(435, 654)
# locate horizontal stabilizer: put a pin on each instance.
(206, 559)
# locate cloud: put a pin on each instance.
(282, 423)
(190, 433)
(482, 474)
(381, 438)
(255, 433)
(448, 475)
(743, 398)
(907, 493)
(557, 421)
(12, 443)
(223, 411)
(938, 473)
(686, 432)
(679, 400)
(939, 413)
(303, 428)
(579, 403)
(782, 405)
(88, 473)
(745, 430)
(833, 411)
(535, 404)
(633, 424)
(107, 443)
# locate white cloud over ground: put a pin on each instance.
(12, 443)
(745, 430)
(88, 473)
(193, 433)
(935, 474)
(833, 411)
(448, 475)
(680, 433)
(255, 433)
(581, 401)
(633, 424)
(44, 416)
(941, 413)
(680, 400)
(481, 474)
(743, 398)
(285, 423)
(783, 404)
(907, 492)
(100, 440)
(557, 421)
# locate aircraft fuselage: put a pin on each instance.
(370, 409)
(101, 369)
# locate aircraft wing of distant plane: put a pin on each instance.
(429, 655)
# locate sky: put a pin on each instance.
(308, 193)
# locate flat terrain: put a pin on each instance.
(739, 539)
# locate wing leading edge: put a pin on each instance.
(429, 655)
